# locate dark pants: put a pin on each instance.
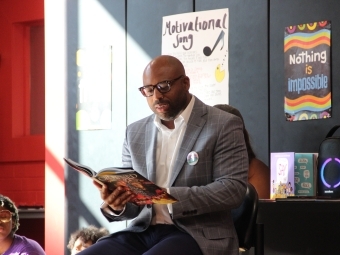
(156, 240)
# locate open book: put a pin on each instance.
(146, 192)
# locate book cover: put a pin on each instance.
(146, 192)
(281, 174)
(305, 174)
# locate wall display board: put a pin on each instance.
(307, 54)
(94, 72)
(200, 41)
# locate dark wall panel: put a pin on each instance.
(302, 136)
(248, 65)
(144, 21)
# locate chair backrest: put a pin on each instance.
(244, 218)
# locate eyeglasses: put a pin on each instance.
(5, 216)
(162, 87)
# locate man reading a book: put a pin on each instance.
(207, 188)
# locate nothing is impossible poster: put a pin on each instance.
(307, 54)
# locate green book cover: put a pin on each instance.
(305, 174)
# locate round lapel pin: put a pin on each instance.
(192, 158)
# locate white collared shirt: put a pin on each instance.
(168, 144)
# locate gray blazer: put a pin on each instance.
(206, 191)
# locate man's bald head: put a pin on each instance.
(166, 64)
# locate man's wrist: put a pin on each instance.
(106, 208)
(115, 211)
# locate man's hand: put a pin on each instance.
(117, 198)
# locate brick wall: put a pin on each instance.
(23, 182)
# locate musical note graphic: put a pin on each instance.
(207, 51)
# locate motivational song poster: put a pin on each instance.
(200, 41)
(307, 57)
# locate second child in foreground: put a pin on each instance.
(84, 238)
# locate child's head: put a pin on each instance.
(85, 237)
(6, 204)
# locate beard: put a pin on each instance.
(175, 108)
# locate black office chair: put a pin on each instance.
(249, 232)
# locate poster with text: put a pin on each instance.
(200, 41)
(307, 54)
(94, 73)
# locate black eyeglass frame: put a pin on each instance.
(158, 87)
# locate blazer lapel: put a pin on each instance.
(150, 150)
(196, 122)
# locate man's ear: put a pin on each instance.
(187, 82)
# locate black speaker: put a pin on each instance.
(329, 166)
